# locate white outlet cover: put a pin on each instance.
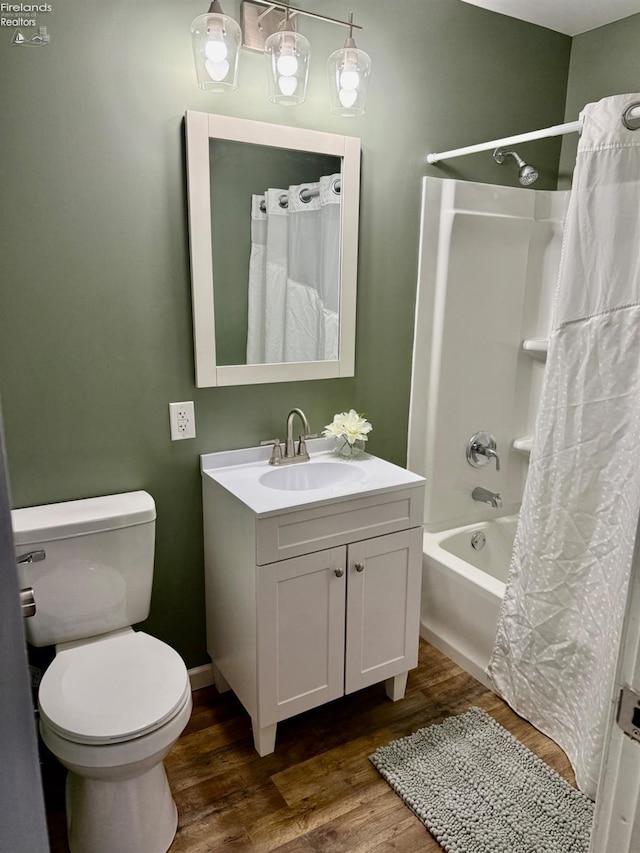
(182, 420)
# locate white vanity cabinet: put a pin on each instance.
(312, 602)
(332, 622)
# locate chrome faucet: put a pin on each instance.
(482, 448)
(291, 454)
(487, 497)
(288, 448)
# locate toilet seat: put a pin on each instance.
(113, 689)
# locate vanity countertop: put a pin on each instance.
(240, 473)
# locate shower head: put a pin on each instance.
(526, 174)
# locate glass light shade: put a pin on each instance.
(349, 70)
(287, 55)
(216, 42)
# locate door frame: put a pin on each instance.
(616, 824)
(23, 823)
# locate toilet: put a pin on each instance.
(113, 701)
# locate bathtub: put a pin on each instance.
(463, 588)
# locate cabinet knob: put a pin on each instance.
(339, 573)
(359, 567)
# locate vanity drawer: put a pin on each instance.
(304, 531)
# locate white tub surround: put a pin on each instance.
(488, 263)
(559, 631)
(489, 257)
(462, 590)
(312, 590)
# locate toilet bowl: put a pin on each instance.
(111, 727)
(113, 701)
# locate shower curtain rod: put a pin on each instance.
(544, 133)
(306, 194)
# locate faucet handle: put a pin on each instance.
(302, 446)
(481, 449)
(276, 454)
(32, 557)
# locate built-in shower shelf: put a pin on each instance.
(523, 445)
(536, 347)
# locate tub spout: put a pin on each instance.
(485, 496)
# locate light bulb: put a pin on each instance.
(348, 97)
(287, 64)
(287, 85)
(217, 70)
(216, 50)
(349, 76)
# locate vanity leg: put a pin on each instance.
(395, 687)
(264, 739)
(220, 682)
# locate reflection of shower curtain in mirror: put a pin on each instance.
(294, 281)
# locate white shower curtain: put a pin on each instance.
(294, 269)
(257, 274)
(559, 627)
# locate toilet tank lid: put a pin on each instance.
(77, 518)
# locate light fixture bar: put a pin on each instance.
(295, 11)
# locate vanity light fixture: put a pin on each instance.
(349, 70)
(269, 26)
(216, 40)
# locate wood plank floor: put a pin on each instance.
(318, 792)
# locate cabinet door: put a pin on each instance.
(300, 633)
(383, 607)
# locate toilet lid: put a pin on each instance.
(113, 689)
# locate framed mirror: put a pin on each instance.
(273, 225)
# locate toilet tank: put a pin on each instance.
(97, 572)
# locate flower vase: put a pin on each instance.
(344, 450)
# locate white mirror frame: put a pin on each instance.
(200, 128)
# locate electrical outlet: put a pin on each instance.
(182, 419)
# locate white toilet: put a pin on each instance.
(113, 700)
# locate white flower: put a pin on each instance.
(349, 425)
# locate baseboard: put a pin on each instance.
(201, 676)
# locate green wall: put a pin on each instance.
(95, 307)
(603, 62)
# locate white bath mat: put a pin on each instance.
(477, 789)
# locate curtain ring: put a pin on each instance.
(283, 200)
(627, 119)
(336, 186)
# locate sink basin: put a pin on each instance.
(307, 475)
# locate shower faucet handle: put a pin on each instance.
(481, 449)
